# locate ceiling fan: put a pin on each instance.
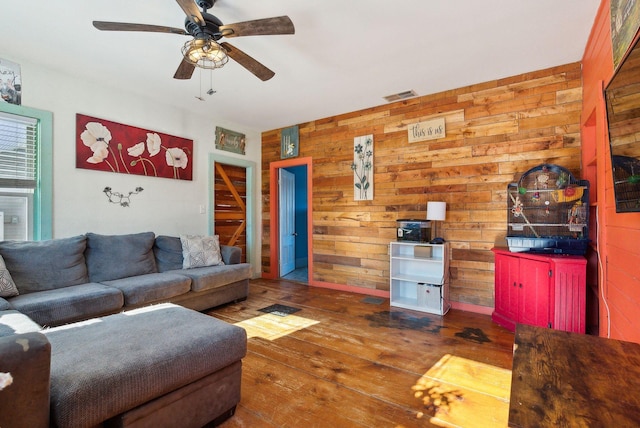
(204, 50)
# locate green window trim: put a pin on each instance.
(43, 196)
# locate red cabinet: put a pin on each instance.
(541, 290)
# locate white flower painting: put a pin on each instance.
(108, 146)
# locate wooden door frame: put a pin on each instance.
(250, 167)
(274, 225)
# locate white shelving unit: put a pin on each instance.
(420, 276)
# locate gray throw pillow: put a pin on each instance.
(7, 286)
(112, 257)
(45, 265)
(198, 251)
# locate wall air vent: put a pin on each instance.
(401, 96)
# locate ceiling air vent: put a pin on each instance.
(401, 96)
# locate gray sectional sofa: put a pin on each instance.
(105, 331)
(71, 279)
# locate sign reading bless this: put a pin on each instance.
(429, 130)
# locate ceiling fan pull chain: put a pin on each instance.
(211, 91)
(200, 96)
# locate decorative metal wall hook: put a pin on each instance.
(120, 198)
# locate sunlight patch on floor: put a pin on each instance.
(458, 392)
(271, 327)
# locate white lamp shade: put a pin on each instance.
(436, 210)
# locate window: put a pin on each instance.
(25, 173)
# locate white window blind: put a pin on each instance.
(18, 163)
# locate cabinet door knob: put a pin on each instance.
(520, 285)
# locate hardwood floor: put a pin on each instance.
(342, 362)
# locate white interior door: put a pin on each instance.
(287, 198)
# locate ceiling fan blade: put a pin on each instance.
(259, 70)
(185, 70)
(259, 27)
(192, 11)
(124, 26)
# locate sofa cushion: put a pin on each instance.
(7, 286)
(45, 265)
(168, 252)
(152, 287)
(231, 255)
(13, 322)
(68, 304)
(209, 277)
(198, 251)
(4, 304)
(119, 256)
(134, 357)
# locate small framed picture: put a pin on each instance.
(289, 142)
(10, 82)
(230, 141)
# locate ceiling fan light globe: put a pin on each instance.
(205, 53)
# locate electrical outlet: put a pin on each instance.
(202, 209)
(14, 219)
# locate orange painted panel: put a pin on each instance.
(618, 237)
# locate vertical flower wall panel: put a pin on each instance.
(103, 145)
(362, 167)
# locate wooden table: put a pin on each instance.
(562, 379)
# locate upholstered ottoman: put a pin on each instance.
(159, 366)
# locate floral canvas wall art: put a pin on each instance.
(362, 167)
(104, 145)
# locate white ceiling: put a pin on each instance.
(346, 55)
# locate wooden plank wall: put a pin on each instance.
(494, 132)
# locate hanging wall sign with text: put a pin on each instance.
(428, 130)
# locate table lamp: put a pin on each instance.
(436, 211)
